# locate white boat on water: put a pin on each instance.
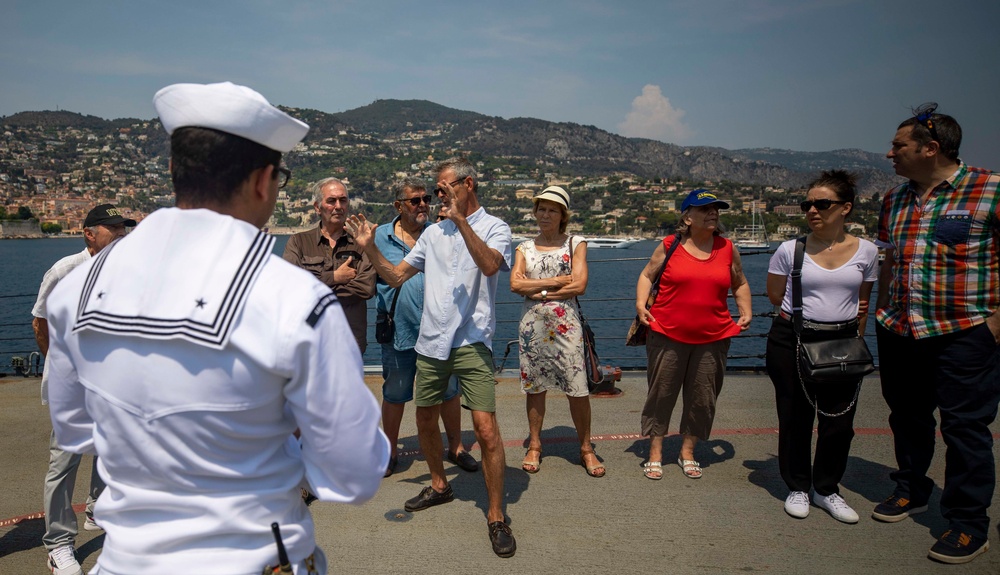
(752, 238)
(593, 242)
(611, 242)
(749, 244)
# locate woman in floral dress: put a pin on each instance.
(550, 271)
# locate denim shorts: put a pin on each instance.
(399, 368)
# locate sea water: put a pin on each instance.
(608, 303)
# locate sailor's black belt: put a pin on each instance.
(822, 326)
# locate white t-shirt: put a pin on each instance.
(827, 295)
(58, 271)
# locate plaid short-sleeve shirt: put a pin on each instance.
(946, 250)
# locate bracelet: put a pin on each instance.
(545, 295)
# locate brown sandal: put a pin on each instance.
(532, 466)
(592, 470)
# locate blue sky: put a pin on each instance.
(807, 75)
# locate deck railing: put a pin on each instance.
(608, 316)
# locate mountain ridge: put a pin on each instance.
(583, 149)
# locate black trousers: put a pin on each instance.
(796, 416)
(959, 374)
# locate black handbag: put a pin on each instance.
(637, 332)
(826, 362)
(385, 326)
(593, 363)
(835, 360)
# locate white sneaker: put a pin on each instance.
(62, 561)
(91, 525)
(835, 505)
(797, 504)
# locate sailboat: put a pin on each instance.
(752, 238)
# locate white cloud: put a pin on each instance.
(653, 117)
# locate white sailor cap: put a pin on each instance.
(229, 108)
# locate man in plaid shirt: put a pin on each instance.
(937, 329)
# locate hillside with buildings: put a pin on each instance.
(59, 164)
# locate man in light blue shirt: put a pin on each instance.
(404, 305)
(461, 258)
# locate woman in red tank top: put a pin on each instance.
(689, 328)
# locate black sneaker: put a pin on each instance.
(955, 548)
(895, 509)
(502, 539)
(429, 498)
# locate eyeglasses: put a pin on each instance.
(284, 174)
(924, 114)
(438, 191)
(427, 199)
(441, 217)
(820, 205)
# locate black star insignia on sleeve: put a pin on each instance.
(200, 302)
(100, 295)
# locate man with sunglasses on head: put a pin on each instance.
(186, 355)
(461, 259)
(405, 306)
(330, 254)
(938, 329)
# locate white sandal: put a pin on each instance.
(651, 467)
(690, 467)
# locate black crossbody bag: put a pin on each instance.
(590, 358)
(830, 362)
(385, 327)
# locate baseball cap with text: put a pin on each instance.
(108, 215)
(702, 197)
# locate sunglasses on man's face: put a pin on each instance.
(440, 191)
(820, 205)
(427, 199)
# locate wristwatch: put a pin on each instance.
(545, 295)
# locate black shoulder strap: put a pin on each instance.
(576, 299)
(800, 253)
(666, 258)
(670, 251)
(392, 308)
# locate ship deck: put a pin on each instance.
(730, 521)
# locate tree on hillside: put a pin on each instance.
(24, 213)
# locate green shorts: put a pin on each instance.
(471, 364)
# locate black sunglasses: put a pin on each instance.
(821, 205)
(441, 190)
(427, 199)
(924, 115)
(284, 174)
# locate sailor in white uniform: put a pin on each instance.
(186, 355)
